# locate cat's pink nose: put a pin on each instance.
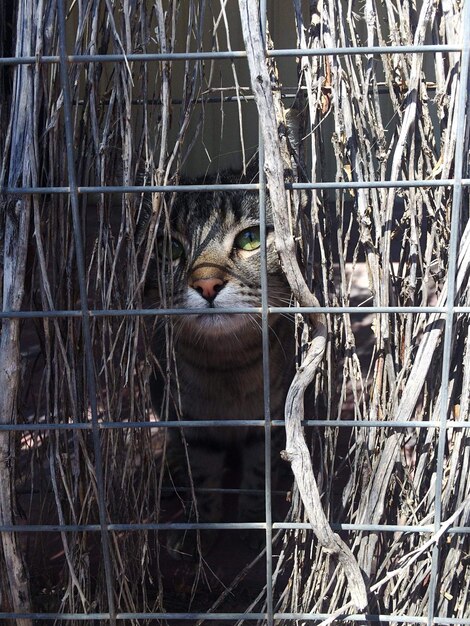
(208, 288)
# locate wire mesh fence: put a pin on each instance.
(112, 115)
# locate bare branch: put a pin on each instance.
(296, 449)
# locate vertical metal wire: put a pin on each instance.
(266, 376)
(451, 293)
(80, 258)
(447, 344)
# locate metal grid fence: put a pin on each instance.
(105, 528)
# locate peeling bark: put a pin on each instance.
(21, 164)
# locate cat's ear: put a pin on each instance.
(149, 206)
(142, 206)
(294, 124)
(142, 212)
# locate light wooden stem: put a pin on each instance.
(272, 124)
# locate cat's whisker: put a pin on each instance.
(288, 317)
(253, 318)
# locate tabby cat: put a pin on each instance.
(209, 258)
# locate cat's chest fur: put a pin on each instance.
(226, 383)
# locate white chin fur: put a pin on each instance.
(220, 324)
(214, 323)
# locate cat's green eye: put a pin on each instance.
(248, 239)
(171, 250)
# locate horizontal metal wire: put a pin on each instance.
(376, 528)
(309, 617)
(288, 93)
(388, 618)
(347, 50)
(337, 310)
(42, 427)
(149, 526)
(134, 526)
(233, 54)
(333, 185)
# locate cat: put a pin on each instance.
(209, 257)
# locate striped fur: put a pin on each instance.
(215, 363)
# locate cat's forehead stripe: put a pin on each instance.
(202, 209)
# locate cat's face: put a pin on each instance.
(211, 260)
